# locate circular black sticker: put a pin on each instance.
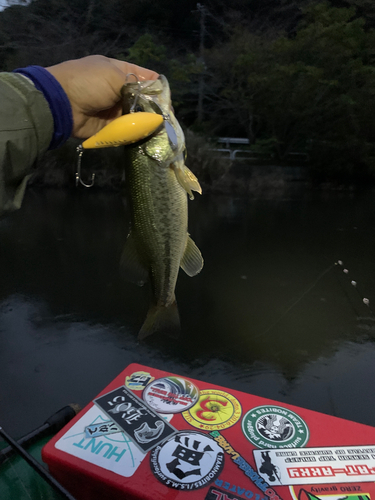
(188, 460)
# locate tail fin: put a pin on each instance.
(163, 319)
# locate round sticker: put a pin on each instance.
(214, 410)
(187, 461)
(274, 427)
(137, 381)
(171, 394)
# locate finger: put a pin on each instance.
(142, 73)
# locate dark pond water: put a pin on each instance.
(270, 314)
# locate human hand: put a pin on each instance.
(93, 86)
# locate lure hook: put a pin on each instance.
(136, 95)
(78, 171)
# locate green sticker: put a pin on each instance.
(274, 427)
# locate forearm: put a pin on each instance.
(77, 97)
(26, 130)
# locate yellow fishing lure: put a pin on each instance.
(126, 129)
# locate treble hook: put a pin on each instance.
(138, 91)
(78, 171)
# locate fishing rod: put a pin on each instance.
(36, 465)
(52, 425)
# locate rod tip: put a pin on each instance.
(76, 407)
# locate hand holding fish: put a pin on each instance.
(93, 86)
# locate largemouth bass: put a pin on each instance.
(158, 183)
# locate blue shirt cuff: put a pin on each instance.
(57, 100)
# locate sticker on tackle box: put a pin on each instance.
(142, 424)
(171, 394)
(137, 381)
(334, 464)
(358, 491)
(91, 440)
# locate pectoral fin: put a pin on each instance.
(131, 266)
(192, 260)
(187, 179)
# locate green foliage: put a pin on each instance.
(181, 70)
(146, 51)
(265, 147)
(313, 91)
(202, 161)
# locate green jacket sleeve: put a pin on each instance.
(26, 128)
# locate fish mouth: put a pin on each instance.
(145, 96)
(151, 93)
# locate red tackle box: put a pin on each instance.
(154, 435)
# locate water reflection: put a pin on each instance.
(269, 314)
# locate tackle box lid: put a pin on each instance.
(152, 435)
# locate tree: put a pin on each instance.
(311, 91)
(287, 75)
(182, 69)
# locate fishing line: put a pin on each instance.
(308, 290)
(364, 300)
(354, 284)
(344, 291)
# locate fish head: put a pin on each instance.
(154, 96)
(142, 96)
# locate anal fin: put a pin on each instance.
(192, 260)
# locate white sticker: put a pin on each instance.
(339, 464)
(171, 394)
(114, 452)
